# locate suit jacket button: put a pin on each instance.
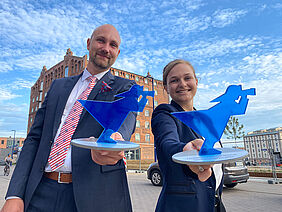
(42, 168)
(51, 143)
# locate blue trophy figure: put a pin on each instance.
(112, 114)
(211, 123)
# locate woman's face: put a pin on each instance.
(182, 84)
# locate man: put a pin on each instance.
(93, 180)
(8, 160)
(8, 163)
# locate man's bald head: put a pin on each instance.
(109, 28)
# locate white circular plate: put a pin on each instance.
(193, 157)
(92, 144)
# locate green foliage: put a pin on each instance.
(234, 130)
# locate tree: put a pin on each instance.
(234, 130)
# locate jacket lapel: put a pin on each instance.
(107, 78)
(63, 98)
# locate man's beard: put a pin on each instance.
(98, 64)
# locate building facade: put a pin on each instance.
(73, 65)
(264, 146)
(7, 142)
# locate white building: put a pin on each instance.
(261, 143)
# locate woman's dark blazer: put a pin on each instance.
(182, 191)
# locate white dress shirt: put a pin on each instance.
(79, 87)
(217, 169)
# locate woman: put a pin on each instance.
(185, 188)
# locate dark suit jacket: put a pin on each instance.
(182, 191)
(96, 187)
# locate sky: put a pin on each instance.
(227, 42)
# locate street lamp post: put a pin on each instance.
(150, 77)
(13, 143)
(273, 163)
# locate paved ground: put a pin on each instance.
(255, 195)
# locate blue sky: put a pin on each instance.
(227, 41)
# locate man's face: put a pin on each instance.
(104, 47)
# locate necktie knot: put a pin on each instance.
(92, 79)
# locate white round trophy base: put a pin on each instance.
(90, 143)
(193, 157)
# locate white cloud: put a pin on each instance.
(267, 64)
(19, 84)
(37, 61)
(5, 67)
(222, 18)
(6, 94)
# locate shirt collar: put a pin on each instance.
(86, 74)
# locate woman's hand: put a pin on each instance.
(204, 171)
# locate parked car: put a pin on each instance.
(234, 173)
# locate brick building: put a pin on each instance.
(7, 142)
(264, 145)
(73, 65)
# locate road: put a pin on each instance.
(255, 195)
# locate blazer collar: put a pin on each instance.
(107, 78)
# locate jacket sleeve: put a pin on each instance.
(22, 170)
(165, 132)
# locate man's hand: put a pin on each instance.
(13, 205)
(204, 171)
(104, 157)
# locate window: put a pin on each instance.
(132, 154)
(66, 71)
(137, 137)
(137, 123)
(116, 73)
(155, 84)
(2, 142)
(41, 86)
(147, 113)
(147, 125)
(32, 109)
(155, 103)
(31, 120)
(137, 79)
(39, 105)
(33, 99)
(147, 137)
(126, 76)
(146, 81)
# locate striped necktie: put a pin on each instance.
(61, 145)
